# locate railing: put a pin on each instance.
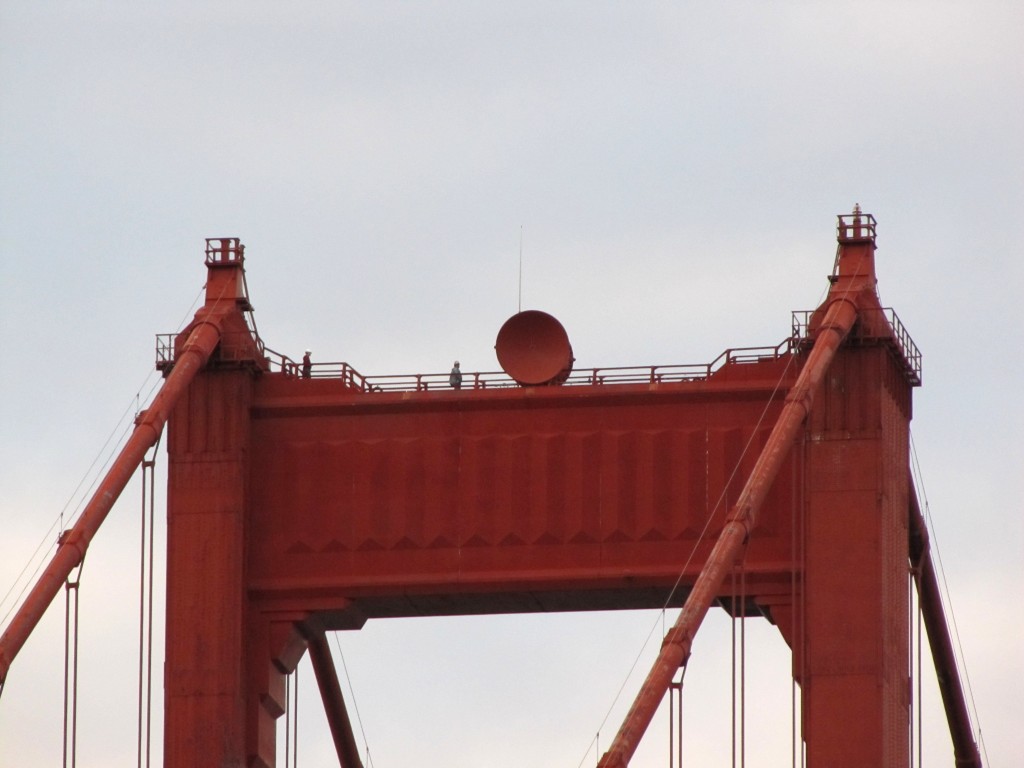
(855, 226)
(344, 372)
(430, 382)
(902, 344)
(224, 250)
(907, 348)
(165, 350)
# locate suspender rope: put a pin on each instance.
(732, 660)
(743, 668)
(911, 609)
(295, 722)
(149, 619)
(739, 611)
(287, 720)
(920, 708)
(71, 668)
(675, 721)
(291, 721)
(146, 613)
(796, 610)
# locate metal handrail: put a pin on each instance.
(431, 382)
(618, 375)
(901, 341)
(899, 338)
(165, 350)
(856, 226)
(224, 250)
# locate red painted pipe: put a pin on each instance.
(841, 315)
(965, 749)
(71, 549)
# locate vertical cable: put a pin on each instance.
(675, 721)
(739, 610)
(295, 719)
(142, 619)
(732, 686)
(67, 661)
(802, 605)
(672, 725)
(74, 689)
(792, 722)
(287, 720)
(921, 757)
(71, 662)
(793, 611)
(149, 618)
(743, 666)
(146, 553)
(71, 670)
(520, 307)
(682, 675)
(910, 656)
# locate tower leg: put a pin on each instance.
(205, 681)
(855, 689)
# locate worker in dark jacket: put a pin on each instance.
(455, 377)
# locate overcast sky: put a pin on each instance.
(673, 170)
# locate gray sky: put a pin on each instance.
(675, 170)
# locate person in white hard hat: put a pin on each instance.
(307, 365)
(455, 377)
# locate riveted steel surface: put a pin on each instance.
(521, 499)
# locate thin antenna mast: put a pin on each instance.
(520, 309)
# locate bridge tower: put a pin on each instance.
(303, 501)
(298, 505)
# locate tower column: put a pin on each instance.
(855, 634)
(212, 675)
(204, 675)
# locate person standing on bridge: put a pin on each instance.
(307, 365)
(455, 377)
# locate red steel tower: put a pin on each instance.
(301, 504)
